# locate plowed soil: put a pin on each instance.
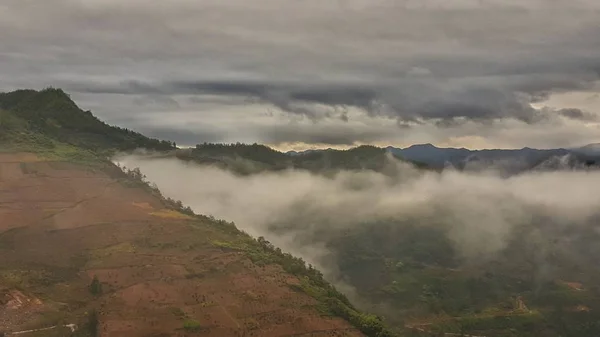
(62, 224)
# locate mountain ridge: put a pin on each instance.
(509, 160)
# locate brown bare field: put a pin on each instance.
(62, 224)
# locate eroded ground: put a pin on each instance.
(62, 224)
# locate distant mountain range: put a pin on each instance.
(506, 161)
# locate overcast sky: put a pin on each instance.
(305, 73)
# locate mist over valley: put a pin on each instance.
(380, 236)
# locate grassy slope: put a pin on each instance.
(50, 125)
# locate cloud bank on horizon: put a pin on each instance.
(475, 73)
(297, 210)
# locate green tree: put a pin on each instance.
(95, 287)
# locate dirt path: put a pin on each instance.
(88, 199)
(73, 327)
(229, 315)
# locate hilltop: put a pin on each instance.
(87, 249)
(43, 118)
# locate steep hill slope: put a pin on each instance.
(159, 269)
(88, 250)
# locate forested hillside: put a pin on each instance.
(50, 115)
(253, 158)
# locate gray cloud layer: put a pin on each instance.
(418, 62)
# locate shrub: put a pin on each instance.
(191, 325)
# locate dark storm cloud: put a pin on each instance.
(578, 114)
(479, 98)
(335, 94)
(406, 101)
(424, 63)
(281, 95)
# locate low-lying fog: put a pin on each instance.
(480, 209)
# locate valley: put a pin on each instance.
(501, 259)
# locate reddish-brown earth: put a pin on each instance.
(62, 224)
